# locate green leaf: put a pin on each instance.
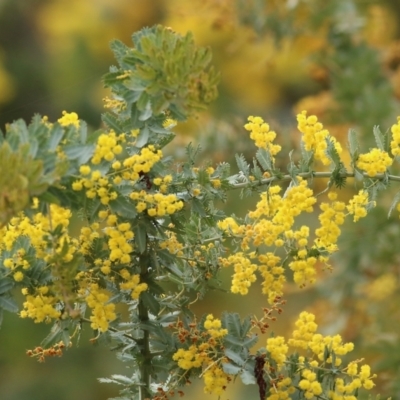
(165, 139)
(146, 113)
(65, 337)
(123, 207)
(235, 357)
(9, 304)
(353, 144)
(198, 208)
(6, 284)
(56, 134)
(140, 236)
(159, 129)
(358, 174)
(105, 380)
(245, 326)
(143, 137)
(250, 341)
(48, 197)
(231, 321)
(53, 336)
(150, 302)
(112, 122)
(242, 164)
(230, 339)
(327, 353)
(379, 138)
(395, 201)
(248, 377)
(169, 318)
(231, 369)
(331, 151)
(264, 158)
(79, 152)
(122, 379)
(83, 131)
(119, 49)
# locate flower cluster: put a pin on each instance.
(315, 137)
(262, 135)
(17, 262)
(87, 236)
(172, 244)
(215, 380)
(278, 349)
(303, 264)
(156, 204)
(132, 283)
(231, 226)
(325, 351)
(360, 379)
(107, 147)
(244, 275)
(281, 390)
(271, 225)
(190, 358)
(69, 119)
(120, 236)
(281, 211)
(163, 182)
(46, 244)
(318, 344)
(206, 344)
(141, 163)
(331, 218)
(214, 327)
(273, 276)
(40, 307)
(374, 162)
(40, 353)
(306, 328)
(309, 384)
(358, 204)
(97, 299)
(95, 185)
(395, 142)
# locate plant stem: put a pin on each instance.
(312, 174)
(145, 361)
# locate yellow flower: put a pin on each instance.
(357, 205)
(278, 349)
(315, 137)
(244, 274)
(69, 119)
(103, 312)
(214, 327)
(84, 169)
(215, 380)
(18, 276)
(395, 143)
(374, 162)
(262, 135)
(306, 327)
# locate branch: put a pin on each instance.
(311, 174)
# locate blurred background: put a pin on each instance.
(338, 59)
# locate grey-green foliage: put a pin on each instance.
(167, 72)
(30, 164)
